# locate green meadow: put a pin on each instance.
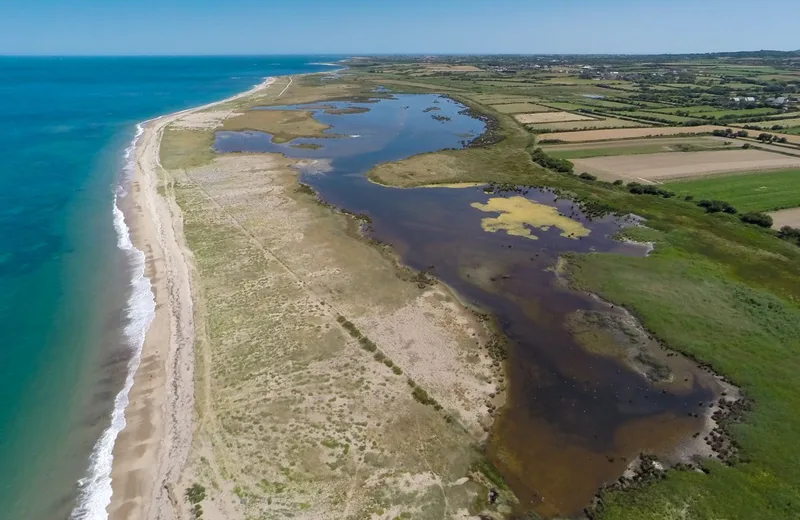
(757, 191)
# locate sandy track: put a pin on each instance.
(660, 166)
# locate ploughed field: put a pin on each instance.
(550, 117)
(662, 166)
(624, 133)
(786, 217)
(636, 146)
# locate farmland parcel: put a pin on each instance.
(661, 166)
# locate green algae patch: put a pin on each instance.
(518, 215)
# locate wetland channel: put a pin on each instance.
(580, 405)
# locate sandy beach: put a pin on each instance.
(152, 449)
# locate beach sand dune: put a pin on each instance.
(154, 445)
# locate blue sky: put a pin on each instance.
(394, 26)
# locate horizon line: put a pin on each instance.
(366, 54)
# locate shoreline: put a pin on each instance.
(147, 455)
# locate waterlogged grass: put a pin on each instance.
(695, 305)
(759, 191)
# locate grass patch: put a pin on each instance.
(606, 152)
(284, 125)
(694, 305)
(767, 191)
(514, 108)
(181, 149)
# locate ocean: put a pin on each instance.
(72, 298)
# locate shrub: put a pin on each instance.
(587, 176)
(716, 206)
(789, 233)
(617, 182)
(196, 493)
(746, 146)
(368, 344)
(649, 189)
(759, 219)
(560, 165)
(397, 370)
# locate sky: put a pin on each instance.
(169, 27)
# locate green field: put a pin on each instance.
(516, 108)
(641, 114)
(605, 152)
(690, 109)
(764, 191)
(569, 107)
(745, 112)
(604, 103)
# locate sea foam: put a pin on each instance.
(95, 488)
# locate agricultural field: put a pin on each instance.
(578, 126)
(737, 114)
(783, 123)
(633, 147)
(562, 105)
(786, 217)
(627, 133)
(689, 109)
(498, 99)
(792, 137)
(752, 191)
(604, 103)
(549, 117)
(514, 108)
(641, 114)
(662, 166)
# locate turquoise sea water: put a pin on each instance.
(64, 282)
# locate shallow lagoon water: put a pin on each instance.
(574, 419)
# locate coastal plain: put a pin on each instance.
(331, 379)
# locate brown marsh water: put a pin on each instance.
(576, 415)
